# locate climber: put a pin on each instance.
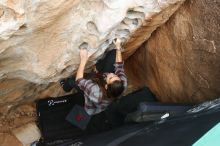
(106, 85)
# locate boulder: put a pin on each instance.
(180, 62)
(39, 40)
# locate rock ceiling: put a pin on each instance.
(39, 40)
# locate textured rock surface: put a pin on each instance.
(39, 40)
(27, 134)
(39, 44)
(9, 140)
(17, 117)
(181, 60)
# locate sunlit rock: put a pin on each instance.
(39, 40)
(39, 43)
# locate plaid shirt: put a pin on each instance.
(94, 103)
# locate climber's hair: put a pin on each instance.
(115, 89)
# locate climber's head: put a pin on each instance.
(114, 85)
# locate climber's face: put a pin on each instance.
(111, 77)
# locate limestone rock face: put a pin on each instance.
(8, 139)
(39, 40)
(39, 43)
(181, 60)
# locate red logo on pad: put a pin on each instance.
(79, 117)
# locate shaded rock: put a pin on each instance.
(39, 40)
(9, 140)
(27, 133)
(180, 62)
(17, 117)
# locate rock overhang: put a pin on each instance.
(39, 40)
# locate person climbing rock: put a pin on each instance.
(106, 85)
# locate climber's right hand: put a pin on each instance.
(117, 43)
(84, 55)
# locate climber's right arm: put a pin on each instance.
(84, 56)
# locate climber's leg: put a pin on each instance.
(107, 63)
(68, 84)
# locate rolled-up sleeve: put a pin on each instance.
(119, 71)
(91, 90)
